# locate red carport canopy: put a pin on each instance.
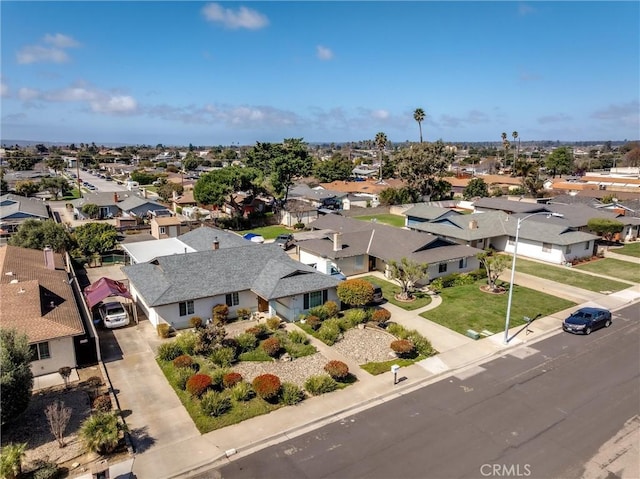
(103, 288)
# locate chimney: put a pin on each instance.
(337, 241)
(49, 262)
(115, 197)
(473, 225)
(216, 243)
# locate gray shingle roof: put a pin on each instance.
(509, 206)
(488, 224)
(429, 212)
(133, 202)
(578, 215)
(264, 269)
(202, 239)
(96, 198)
(13, 205)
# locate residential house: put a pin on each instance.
(424, 212)
(319, 197)
(165, 227)
(356, 247)
(140, 207)
(508, 206)
(172, 289)
(16, 209)
(107, 203)
(298, 212)
(37, 300)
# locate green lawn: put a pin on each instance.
(389, 291)
(568, 276)
(613, 267)
(387, 219)
(631, 249)
(268, 232)
(467, 307)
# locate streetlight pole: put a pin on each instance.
(513, 268)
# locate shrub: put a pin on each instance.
(273, 323)
(314, 322)
(102, 403)
(298, 337)
(436, 285)
(231, 379)
(169, 351)
(223, 356)
(100, 432)
(187, 341)
(267, 386)
(241, 392)
(331, 309)
(355, 292)
(337, 370)
(320, 384)
(380, 315)
(298, 226)
(353, 317)
(243, 313)
(246, 341)
(198, 384)
(271, 346)
(219, 313)
(183, 361)
(217, 377)
(402, 347)
(11, 459)
(318, 311)
(181, 377)
(163, 330)
(196, 322)
(421, 344)
(259, 331)
(209, 337)
(214, 403)
(46, 470)
(291, 394)
(329, 333)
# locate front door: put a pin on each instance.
(372, 263)
(263, 305)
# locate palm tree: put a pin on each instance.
(505, 145)
(381, 142)
(515, 135)
(101, 432)
(418, 115)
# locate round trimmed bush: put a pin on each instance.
(198, 384)
(246, 341)
(271, 346)
(183, 361)
(329, 333)
(214, 403)
(314, 322)
(187, 341)
(267, 386)
(273, 323)
(381, 315)
(320, 384)
(102, 403)
(402, 347)
(231, 379)
(196, 322)
(337, 370)
(331, 309)
(259, 331)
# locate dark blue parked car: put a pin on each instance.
(585, 320)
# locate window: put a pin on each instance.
(586, 244)
(316, 298)
(546, 247)
(359, 262)
(186, 308)
(162, 230)
(568, 249)
(442, 268)
(511, 241)
(39, 351)
(232, 299)
(462, 263)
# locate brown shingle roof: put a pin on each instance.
(40, 301)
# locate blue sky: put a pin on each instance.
(239, 72)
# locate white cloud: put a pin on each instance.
(324, 53)
(556, 118)
(380, 114)
(55, 53)
(118, 104)
(28, 94)
(4, 89)
(240, 18)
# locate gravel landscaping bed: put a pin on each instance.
(296, 371)
(365, 345)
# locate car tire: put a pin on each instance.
(608, 323)
(587, 331)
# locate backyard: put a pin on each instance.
(569, 276)
(385, 218)
(467, 307)
(614, 268)
(267, 232)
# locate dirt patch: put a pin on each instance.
(497, 290)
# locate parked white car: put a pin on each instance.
(113, 315)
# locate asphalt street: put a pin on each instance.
(539, 411)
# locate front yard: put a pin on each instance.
(565, 275)
(631, 249)
(467, 307)
(389, 291)
(614, 268)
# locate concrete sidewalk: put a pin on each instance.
(169, 445)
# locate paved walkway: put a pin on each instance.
(169, 445)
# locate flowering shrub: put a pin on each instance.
(402, 347)
(231, 379)
(267, 386)
(183, 361)
(198, 384)
(380, 315)
(337, 370)
(355, 292)
(271, 346)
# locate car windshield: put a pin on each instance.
(582, 315)
(114, 309)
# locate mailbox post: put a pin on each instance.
(394, 370)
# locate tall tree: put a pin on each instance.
(334, 169)
(476, 188)
(418, 115)
(515, 146)
(422, 166)
(16, 380)
(560, 161)
(27, 188)
(407, 273)
(219, 186)
(295, 161)
(380, 142)
(54, 185)
(36, 234)
(96, 238)
(56, 163)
